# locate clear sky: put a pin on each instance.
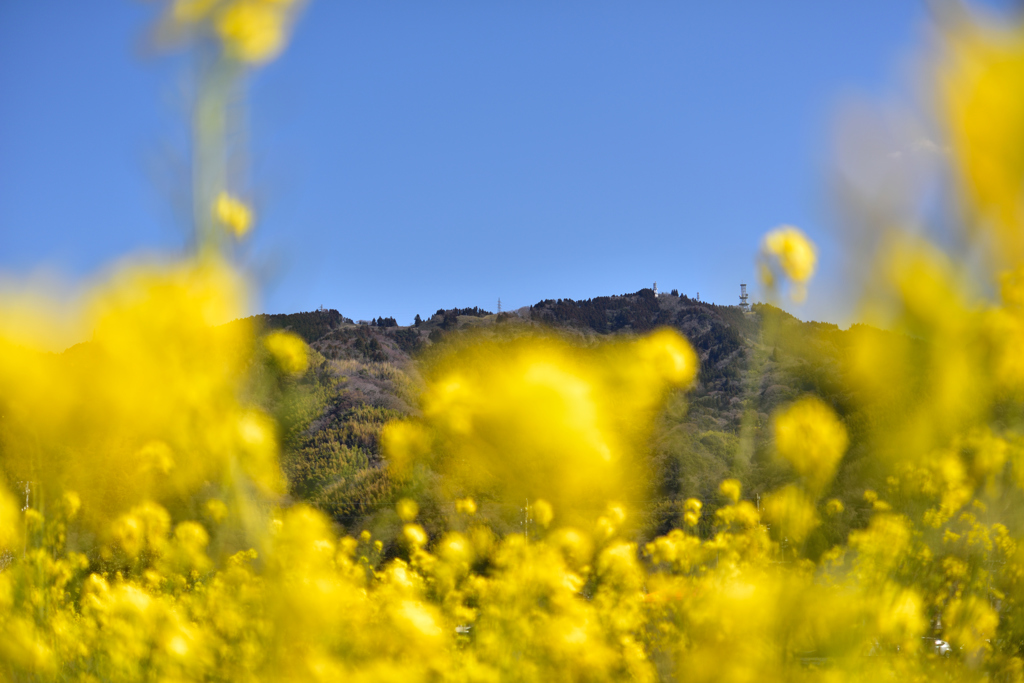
(413, 155)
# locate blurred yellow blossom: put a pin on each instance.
(543, 513)
(692, 508)
(254, 30)
(407, 509)
(812, 439)
(94, 416)
(1011, 289)
(981, 96)
(216, 510)
(288, 350)
(792, 512)
(250, 31)
(730, 488)
(128, 436)
(10, 524)
(834, 506)
(551, 421)
(789, 251)
(414, 535)
(233, 214)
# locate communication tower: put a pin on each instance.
(743, 298)
(655, 289)
(499, 305)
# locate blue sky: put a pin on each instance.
(408, 156)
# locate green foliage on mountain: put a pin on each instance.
(310, 325)
(752, 364)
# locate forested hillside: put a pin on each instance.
(363, 376)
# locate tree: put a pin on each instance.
(417, 321)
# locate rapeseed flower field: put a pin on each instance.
(145, 537)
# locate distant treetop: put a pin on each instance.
(475, 312)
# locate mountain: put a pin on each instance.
(752, 363)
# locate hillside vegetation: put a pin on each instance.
(751, 364)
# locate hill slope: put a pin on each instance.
(751, 364)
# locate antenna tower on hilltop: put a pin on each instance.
(499, 305)
(743, 298)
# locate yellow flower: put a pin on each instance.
(792, 250)
(72, 503)
(419, 617)
(127, 531)
(812, 439)
(691, 514)
(253, 31)
(616, 513)
(981, 95)
(972, 624)
(543, 418)
(730, 488)
(542, 512)
(466, 506)
(456, 549)
(792, 511)
(407, 509)
(258, 440)
(1011, 288)
(288, 350)
(216, 510)
(233, 214)
(415, 535)
(10, 524)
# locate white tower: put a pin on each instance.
(655, 289)
(743, 298)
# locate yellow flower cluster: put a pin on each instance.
(812, 439)
(787, 252)
(981, 96)
(288, 350)
(154, 548)
(250, 31)
(143, 534)
(149, 407)
(233, 214)
(551, 421)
